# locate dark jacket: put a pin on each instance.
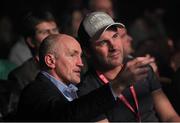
(20, 78)
(42, 101)
(120, 113)
(25, 73)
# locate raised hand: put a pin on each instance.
(135, 70)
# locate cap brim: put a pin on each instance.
(114, 24)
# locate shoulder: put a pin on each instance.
(41, 87)
(26, 66)
(89, 82)
(24, 73)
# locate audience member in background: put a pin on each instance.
(149, 24)
(7, 38)
(37, 25)
(175, 61)
(142, 100)
(72, 22)
(19, 52)
(157, 47)
(150, 37)
(106, 6)
(52, 96)
(127, 41)
(129, 51)
(175, 85)
(7, 35)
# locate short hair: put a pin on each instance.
(32, 19)
(47, 46)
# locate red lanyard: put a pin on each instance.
(102, 77)
(123, 99)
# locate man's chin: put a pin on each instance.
(116, 63)
(75, 82)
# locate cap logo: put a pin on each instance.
(100, 20)
(95, 22)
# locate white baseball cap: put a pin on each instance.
(94, 24)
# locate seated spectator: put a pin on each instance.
(175, 85)
(52, 96)
(143, 100)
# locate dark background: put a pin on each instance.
(128, 10)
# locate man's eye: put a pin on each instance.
(55, 30)
(72, 55)
(43, 32)
(116, 35)
(101, 43)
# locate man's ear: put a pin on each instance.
(50, 61)
(30, 42)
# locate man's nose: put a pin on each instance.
(111, 45)
(80, 63)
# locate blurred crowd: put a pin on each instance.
(150, 30)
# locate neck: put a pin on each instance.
(54, 74)
(112, 73)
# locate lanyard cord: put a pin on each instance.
(123, 99)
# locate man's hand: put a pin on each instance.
(135, 70)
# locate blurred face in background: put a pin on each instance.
(43, 30)
(103, 5)
(76, 20)
(127, 41)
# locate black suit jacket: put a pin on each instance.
(42, 101)
(25, 73)
(21, 77)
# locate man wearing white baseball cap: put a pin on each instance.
(141, 98)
